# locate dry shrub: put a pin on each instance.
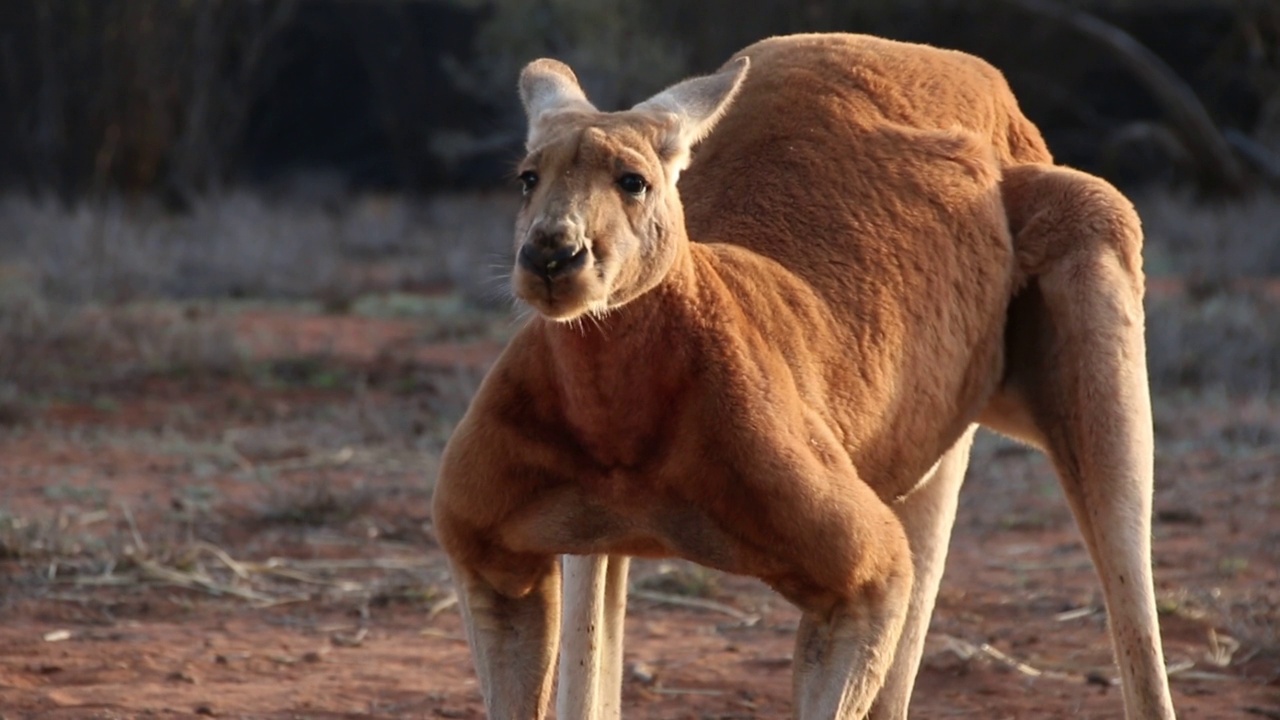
(40, 539)
(1225, 342)
(474, 236)
(86, 291)
(244, 244)
(1221, 331)
(315, 503)
(1211, 242)
(683, 579)
(48, 345)
(57, 261)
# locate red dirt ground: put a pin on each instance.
(246, 549)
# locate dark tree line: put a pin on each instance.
(180, 97)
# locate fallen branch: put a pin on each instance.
(1191, 121)
(155, 571)
(966, 650)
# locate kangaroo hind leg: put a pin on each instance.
(1076, 385)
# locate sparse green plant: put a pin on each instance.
(1233, 565)
(308, 371)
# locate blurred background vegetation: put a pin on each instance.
(191, 150)
(175, 98)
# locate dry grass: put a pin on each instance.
(242, 245)
(60, 552)
(54, 346)
(57, 263)
(207, 537)
(1226, 341)
(95, 293)
(64, 536)
(316, 502)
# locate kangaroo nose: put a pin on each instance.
(551, 255)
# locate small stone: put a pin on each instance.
(56, 636)
(642, 673)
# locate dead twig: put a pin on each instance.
(355, 639)
(1010, 662)
(1221, 649)
(688, 691)
(441, 605)
(432, 632)
(138, 542)
(224, 558)
(966, 650)
(1206, 676)
(155, 571)
(746, 619)
(307, 579)
(312, 462)
(1076, 614)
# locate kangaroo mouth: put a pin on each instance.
(560, 288)
(552, 264)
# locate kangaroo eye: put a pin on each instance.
(633, 184)
(528, 181)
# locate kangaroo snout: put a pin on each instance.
(552, 254)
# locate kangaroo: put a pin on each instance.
(772, 305)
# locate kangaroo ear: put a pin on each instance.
(698, 103)
(547, 87)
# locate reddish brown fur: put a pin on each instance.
(758, 400)
(735, 377)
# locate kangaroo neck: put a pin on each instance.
(621, 377)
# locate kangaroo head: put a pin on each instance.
(601, 221)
